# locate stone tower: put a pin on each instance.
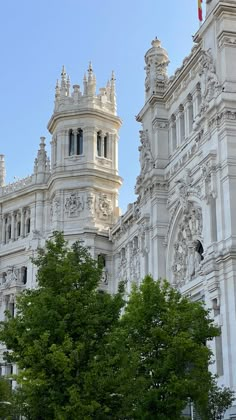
(84, 178)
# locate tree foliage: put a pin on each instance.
(158, 354)
(5, 398)
(58, 330)
(80, 359)
(219, 400)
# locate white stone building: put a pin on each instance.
(183, 225)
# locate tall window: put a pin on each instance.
(79, 142)
(9, 232)
(102, 145)
(24, 275)
(99, 144)
(71, 143)
(18, 228)
(106, 146)
(27, 226)
(76, 142)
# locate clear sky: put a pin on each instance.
(37, 37)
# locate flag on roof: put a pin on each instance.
(200, 10)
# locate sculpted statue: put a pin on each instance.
(209, 81)
(188, 250)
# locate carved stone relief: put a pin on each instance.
(187, 247)
(104, 205)
(209, 81)
(209, 181)
(55, 208)
(145, 157)
(185, 188)
(74, 204)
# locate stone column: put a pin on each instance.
(102, 144)
(13, 226)
(178, 130)
(39, 212)
(196, 102)
(3, 230)
(186, 119)
(114, 150)
(1, 223)
(173, 136)
(32, 216)
(53, 151)
(22, 223)
(189, 116)
(90, 144)
(75, 132)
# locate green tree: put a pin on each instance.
(57, 332)
(219, 400)
(80, 359)
(5, 398)
(158, 355)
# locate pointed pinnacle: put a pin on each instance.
(63, 71)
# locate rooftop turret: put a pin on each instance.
(156, 59)
(73, 101)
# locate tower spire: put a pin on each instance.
(2, 171)
(91, 81)
(85, 84)
(63, 82)
(113, 89)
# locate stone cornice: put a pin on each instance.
(227, 38)
(83, 112)
(224, 7)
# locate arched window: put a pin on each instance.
(199, 249)
(102, 260)
(99, 143)
(79, 142)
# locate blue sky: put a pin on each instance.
(37, 37)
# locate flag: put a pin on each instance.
(200, 10)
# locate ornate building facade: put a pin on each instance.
(183, 225)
